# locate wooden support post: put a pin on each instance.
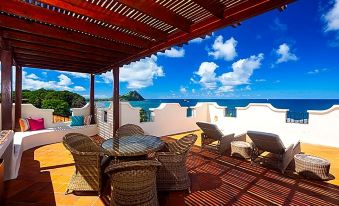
(6, 88)
(18, 97)
(91, 98)
(116, 106)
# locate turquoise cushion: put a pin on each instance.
(77, 120)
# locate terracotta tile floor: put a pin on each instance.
(216, 180)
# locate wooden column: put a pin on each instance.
(116, 106)
(6, 88)
(91, 98)
(18, 97)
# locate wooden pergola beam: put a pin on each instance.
(214, 7)
(6, 85)
(155, 10)
(91, 98)
(30, 11)
(205, 27)
(35, 28)
(61, 65)
(55, 50)
(52, 67)
(41, 40)
(99, 13)
(116, 100)
(18, 97)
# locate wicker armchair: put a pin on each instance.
(87, 157)
(134, 183)
(129, 129)
(212, 138)
(172, 175)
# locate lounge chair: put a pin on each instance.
(172, 174)
(213, 138)
(283, 148)
(87, 158)
(133, 182)
(128, 130)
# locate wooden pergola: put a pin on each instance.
(95, 36)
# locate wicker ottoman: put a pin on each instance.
(241, 149)
(312, 167)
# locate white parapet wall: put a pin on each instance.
(168, 118)
(83, 111)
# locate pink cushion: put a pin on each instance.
(36, 124)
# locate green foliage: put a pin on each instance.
(143, 115)
(60, 107)
(131, 96)
(66, 99)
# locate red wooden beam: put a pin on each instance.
(30, 11)
(40, 40)
(59, 65)
(155, 10)
(53, 59)
(116, 100)
(27, 52)
(6, 86)
(18, 97)
(49, 67)
(97, 12)
(214, 7)
(91, 99)
(59, 51)
(206, 27)
(69, 36)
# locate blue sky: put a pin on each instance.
(289, 54)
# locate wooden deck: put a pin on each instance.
(216, 180)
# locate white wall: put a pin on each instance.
(84, 111)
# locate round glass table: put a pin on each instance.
(135, 145)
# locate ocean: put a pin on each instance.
(294, 105)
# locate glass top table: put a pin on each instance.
(135, 145)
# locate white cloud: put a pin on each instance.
(317, 71)
(241, 72)
(207, 75)
(199, 39)
(139, 74)
(285, 54)
(76, 74)
(332, 18)
(260, 80)
(32, 76)
(32, 82)
(183, 90)
(224, 50)
(79, 89)
(278, 26)
(173, 52)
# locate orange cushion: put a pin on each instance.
(24, 125)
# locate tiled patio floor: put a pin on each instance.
(216, 180)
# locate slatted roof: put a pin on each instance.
(93, 36)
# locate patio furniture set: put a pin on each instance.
(137, 164)
(253, 144)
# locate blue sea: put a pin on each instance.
(294, 105)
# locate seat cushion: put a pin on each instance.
(36, 124)
(77, 120)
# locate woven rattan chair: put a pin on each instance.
(128, 130)
(87, 157)
(172, 175)
(134, 183)
(212, 138)
(283, 151)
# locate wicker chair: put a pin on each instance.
(134, 183)
(129, 129)
(283, 153)
(212, 138)
(172, 175)
(87, 157)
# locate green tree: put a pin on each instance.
(60, 107)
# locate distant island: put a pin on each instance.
(130, 96)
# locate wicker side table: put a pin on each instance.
(241, 149)
(312, 167)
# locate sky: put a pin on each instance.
(290, 54)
